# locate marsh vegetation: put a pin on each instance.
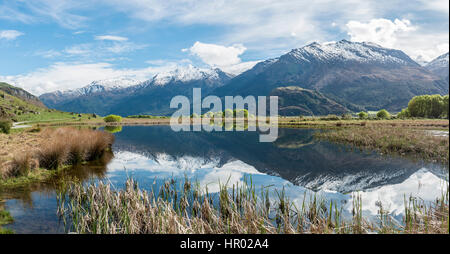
(183, 207)
(60, 148)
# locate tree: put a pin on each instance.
(346, 116)
(228, 113)
(383, 114)
(363, 115)
(112, 118)
(432, 106)
(5, 126)
(445, 106)
(404, 113)
(241, 113)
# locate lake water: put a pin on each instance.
(295, 161)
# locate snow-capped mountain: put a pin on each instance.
(129, 96)
(344, 50)
(354, 76)
(186, 74)
(359, 76)
(104, 85)
(98, 86)
(439, 66)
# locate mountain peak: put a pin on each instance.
(186, 74)
(345, 50)
(439, 66)
(440, 61)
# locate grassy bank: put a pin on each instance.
(392, 140)
(5, 218)
(317, 122)
(182, 207)
(52, 150)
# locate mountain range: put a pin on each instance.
(439, 66)
(315, 79)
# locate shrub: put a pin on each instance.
(383, 114)
(228, 113)
(5, 126)
(240, 113)
(218, 115)
(330, 118)
(363, 115)
(404, 113)
(346, 116)
(112, 119)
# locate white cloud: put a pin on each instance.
(436, 5)
(225, 58)
(414, 40)
(124, 47)
(48, 53)
(81, 49)
(63, 76)
(110, 38)
(10, 34)
(271, 26)
(380, 31)
(217, 55)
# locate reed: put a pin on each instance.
(182, 207)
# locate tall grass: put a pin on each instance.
(183, 207)
(392, 139)
(63, 146)
(72, 146)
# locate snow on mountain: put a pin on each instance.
(180, 74)
(186, 74)
(441, 61)
(344, 50)
(102, 85)
(439, 66)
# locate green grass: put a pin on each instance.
(33, 176)
(22, 111)
(5, 218)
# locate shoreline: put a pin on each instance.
(401, 132)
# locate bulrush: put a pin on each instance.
(100, 208)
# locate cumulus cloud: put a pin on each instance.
(10, 34)
(63, 76)
(380, 31)
(225, 58)
(421, 45)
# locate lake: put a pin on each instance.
(295, 161)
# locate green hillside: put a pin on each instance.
(28, 108)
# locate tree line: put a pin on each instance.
(428, 106)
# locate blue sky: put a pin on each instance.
(48, 45)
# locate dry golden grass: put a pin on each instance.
(392, 139)
(58, 147)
